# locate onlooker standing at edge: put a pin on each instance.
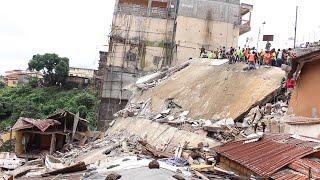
(279, 58)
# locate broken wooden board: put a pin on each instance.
(154, 151)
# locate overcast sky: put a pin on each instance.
(78, 29)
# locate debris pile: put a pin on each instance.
(168, 128)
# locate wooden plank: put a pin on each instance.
(154, 151)
(53, 143)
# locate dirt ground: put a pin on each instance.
(214, 92)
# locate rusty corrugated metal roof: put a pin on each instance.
(304, 165)
(289, 175)
(268, 155)
(41, 124)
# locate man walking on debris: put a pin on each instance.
(257, 119)
(252, 60)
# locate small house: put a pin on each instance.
(37, 137)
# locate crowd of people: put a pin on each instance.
(254, 59)
(252, 56)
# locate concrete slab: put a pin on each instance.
(158, 134)
(215, 92)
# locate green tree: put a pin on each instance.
(2, 84)
(54, 68)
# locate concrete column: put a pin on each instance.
(53, 143)
(149, 7)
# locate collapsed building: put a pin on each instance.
(34, 138)
(148, 35)
(190, 123)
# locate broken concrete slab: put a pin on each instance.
(213, 92)
(152, 131)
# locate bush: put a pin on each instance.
(2, 85)
(85, 99)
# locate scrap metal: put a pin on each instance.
(41, 124)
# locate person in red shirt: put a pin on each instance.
(290, 84)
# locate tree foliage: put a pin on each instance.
(54, 68)
(25, 101)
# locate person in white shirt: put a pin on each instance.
(257, 119)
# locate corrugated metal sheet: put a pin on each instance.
(289, 175)
(268, 155)
(304, 165)
(41, 124)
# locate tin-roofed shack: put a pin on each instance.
(272, 156)
(36, 137)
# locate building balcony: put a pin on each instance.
(245, 11)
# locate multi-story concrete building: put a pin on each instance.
(147, 35)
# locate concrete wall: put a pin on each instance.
(108, 108)
(311, 130)
(144, 36)
(143, 28)
(192, 34)
(305, 100)
(145, 56)
(216, 10)
(81, 72)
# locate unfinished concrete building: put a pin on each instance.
(150, 34)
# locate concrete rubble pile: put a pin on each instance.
(168, 102)
(117, 154)
(168, 128)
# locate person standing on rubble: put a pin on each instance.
(257, 119)
(261, 55)
(252, 60)
(202, 51)
(238, 54)
(246, 55)
(279, 61)
(267, 58)
(273, 57)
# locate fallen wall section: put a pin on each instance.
(215, 92)
(158, 134)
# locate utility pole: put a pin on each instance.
(263, 23)
(295, 28)
(258, 38)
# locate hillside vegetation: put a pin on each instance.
(40, 102)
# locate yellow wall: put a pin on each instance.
(80, 72)
(12, 83)
(19, 147)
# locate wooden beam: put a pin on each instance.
(53, 143)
